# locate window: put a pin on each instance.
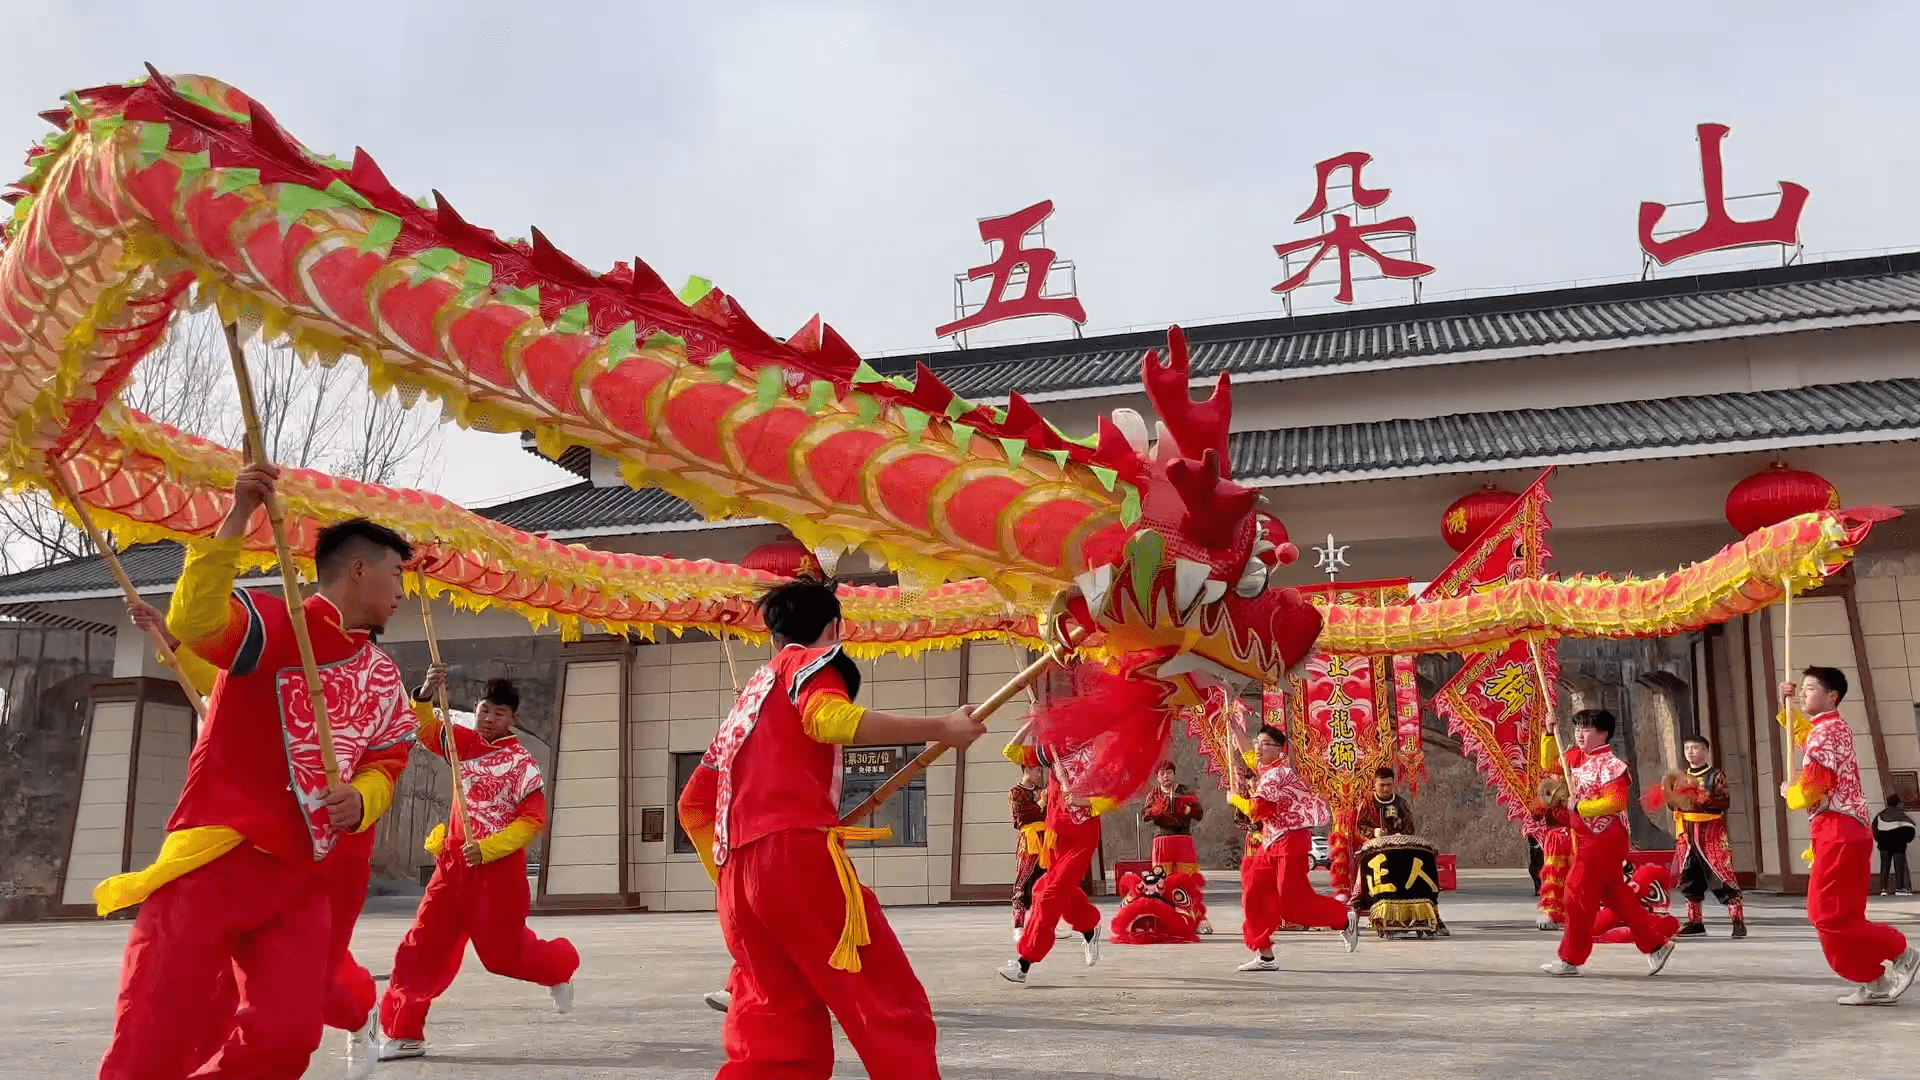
(863, 769)
(683, 766)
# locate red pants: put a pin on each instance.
(246, 910)
(1176, 854)
(1274, 889)
(1059, 895)
(485, 904)
(350, 991)
(1837, 900)
(1594, 882)
(782, 910)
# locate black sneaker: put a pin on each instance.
(1739, 929)
(1693, 929)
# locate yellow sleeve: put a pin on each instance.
(1549, 752)
(202, 604)
(1799, 726)
(1100, 806)
(436, 840)
(1021, 754)
(831, 718)
(198, 672)
(1242, 804)
(376, 794)
(509, 840)
(1250, 758)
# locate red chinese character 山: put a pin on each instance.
(1719, 232)
(1009, 232)
(1347, 238)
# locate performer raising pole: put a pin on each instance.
(1872, 955)
(807, 938)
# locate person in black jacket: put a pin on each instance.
(1893, 831)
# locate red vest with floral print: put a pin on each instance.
(773, 775)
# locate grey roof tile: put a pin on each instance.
(1883, 285)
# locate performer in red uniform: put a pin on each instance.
(1871, 954)
(763, 810)
(1702, 853)
(1027, 804)
(350, 994)
(1073, 833)
(1274, 887)
(479, 887)
(1597, 814)
(1171, 809)
(241, 879)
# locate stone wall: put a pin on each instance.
(47, 676)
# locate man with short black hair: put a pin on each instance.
(1702, 854)
(1274, 887)
(479, 887)
(763, 812)
(1873, 955)
(1596, 806)
(242, 878)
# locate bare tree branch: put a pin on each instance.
(310, 416)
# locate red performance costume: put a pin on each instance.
(1172, 815)
(485, 904)
(1073, 836)
(1601, 789)
(350, 991)
(807, 938)
(1828, 788)
(1030, 856)
(1274, 888)
(242, 879)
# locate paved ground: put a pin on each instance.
(1470, 1007)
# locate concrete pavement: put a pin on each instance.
(1470, 1007)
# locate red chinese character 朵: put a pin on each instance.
(1009, 231)
(1346, 238)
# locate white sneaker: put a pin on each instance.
(1092, 947)
(1657, 959)
(1351, 935)
(1012, 972)
(362, 1050)
(719, 1000)
(1560, 967)
(1900, 974)
(562, 998)
(1205, 927)
(1873, 993)
(1260, 963)
(395, 1049)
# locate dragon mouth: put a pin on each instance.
(1232, 639)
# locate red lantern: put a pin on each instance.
(1472, 515)
(785, 557)
(1771, 497)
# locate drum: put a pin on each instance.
(1400, 885)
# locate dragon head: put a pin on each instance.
(1184, 595)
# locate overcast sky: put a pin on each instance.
(834, 157)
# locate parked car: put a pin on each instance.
(1319, 857)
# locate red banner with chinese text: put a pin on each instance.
(1494, 705)
(1345, 717)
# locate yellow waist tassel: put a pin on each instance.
(846, 957)
(1688, 817)
(181, 854)
(1035, 840)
